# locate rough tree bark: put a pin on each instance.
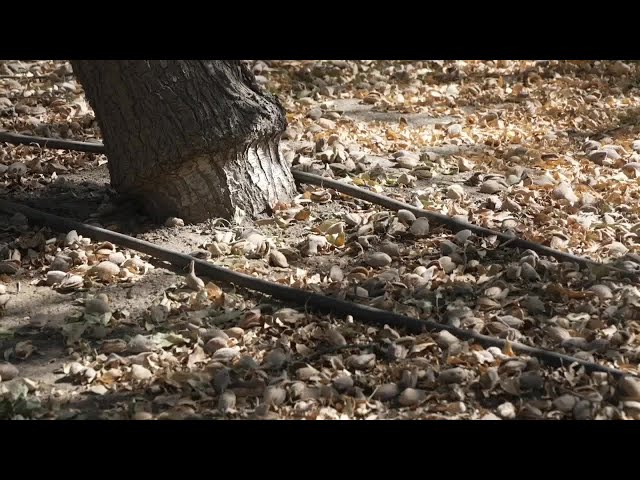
(193, 139)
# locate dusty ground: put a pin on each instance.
(544, 149)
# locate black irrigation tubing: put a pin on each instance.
(310, 300)
(16, 138)
(362, 194)
(451, 223)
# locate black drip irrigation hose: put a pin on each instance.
(362, 194)
(17, 138)
(451, 223)
(309, 300)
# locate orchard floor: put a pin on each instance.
(547, 150)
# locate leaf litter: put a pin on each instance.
(545, 150)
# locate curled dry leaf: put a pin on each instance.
(252, 318)
(565, 403)
(343, 383)
(378, 259)
(420, 227)
(98, 304)
(406, 217)
(336, 274)
(105, 270)
(275, 359)
(8, 371)
(116, 345)
(602, 292)
(221, 380)
(411, 397)
(455, 192)
(277, 259)
(71, 238)
(214, 344)
(507, 410)
(464, 165)
(226, 354)
(362, 362)
(386, 392)
(140, 344)
(629, 388)
(492, 186)
(55, 277)
(306, 373)
(335, 338)
(446, 339)
(174, 222)
(453, 375)
(139, 372)
(274, 395)
(227, 401)
(564, 192)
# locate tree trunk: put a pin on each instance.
(193, 139)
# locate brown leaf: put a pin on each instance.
(197, 356)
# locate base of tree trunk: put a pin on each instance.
(254, 180)
(194, 139)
